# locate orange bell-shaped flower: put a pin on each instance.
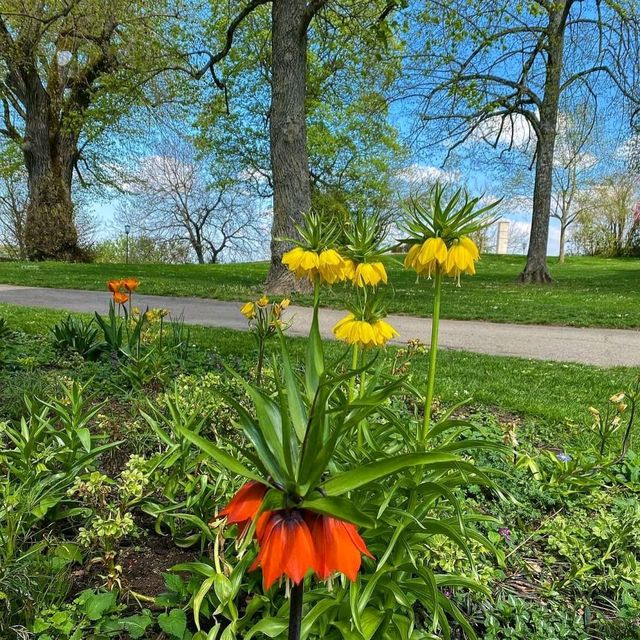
(286, 547)
(244, 506)
(339, 546)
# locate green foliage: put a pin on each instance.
(79, 335)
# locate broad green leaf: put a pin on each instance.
(136, 625)
(220, 456)
(361, 476)
(97, 604)
(174, 623)
(340, 508)
(270, 627)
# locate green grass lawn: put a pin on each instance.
(553, 396)
(586, 291)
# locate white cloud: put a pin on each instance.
(513, 130)
(417, 172)
(628, 147)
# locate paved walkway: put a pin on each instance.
(601, 347)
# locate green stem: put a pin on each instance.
(433, 354)
(354, 366)
(360, 424)
(260, 361)
(295, 611)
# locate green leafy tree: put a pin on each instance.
(314, 75)
(497, 72)
(71, 69)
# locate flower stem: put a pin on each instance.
(295, 611)
(260, 361)
(354, 366)
(433, 354)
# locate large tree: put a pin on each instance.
(291, 38)
(68, 70)
(174, 198)
(487, 70)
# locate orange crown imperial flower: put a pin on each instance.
(286, 547)
(120, 298)
(296, 541)
(130, 284)
(339, 547)
(244, 506)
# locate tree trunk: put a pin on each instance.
(563, 231)
(536, 270)
(288, 133)
(50, 231)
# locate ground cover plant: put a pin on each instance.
(160, 482)
(587, 291)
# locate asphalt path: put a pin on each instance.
(599, 347)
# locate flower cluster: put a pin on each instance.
(439, 233)
(329, 267)
(251, 310)
(293, 542)
(434, 255)
(122, 289)
(362, 333)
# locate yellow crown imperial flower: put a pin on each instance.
(461, 258)
(369, 273)
(302, 262)
(348, 269)
(425, 258)
(470, 246)
(384, 331)
(248, 310)
(331, 266)
(412, 254)
(362, 333)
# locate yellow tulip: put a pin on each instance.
(248, 310)
(263, 302)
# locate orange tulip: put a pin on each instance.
(244, 506)
(130, 284)
(114, 285)
(286, 547)
(120, 297)
(338, 546)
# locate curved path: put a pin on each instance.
(600, 347)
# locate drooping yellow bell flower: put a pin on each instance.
(470, 246)
(348, 269)
(330, 266)
(461, 259)
(362, 333)
(369, 273)
(302, 262)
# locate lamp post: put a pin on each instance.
(127, 230)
